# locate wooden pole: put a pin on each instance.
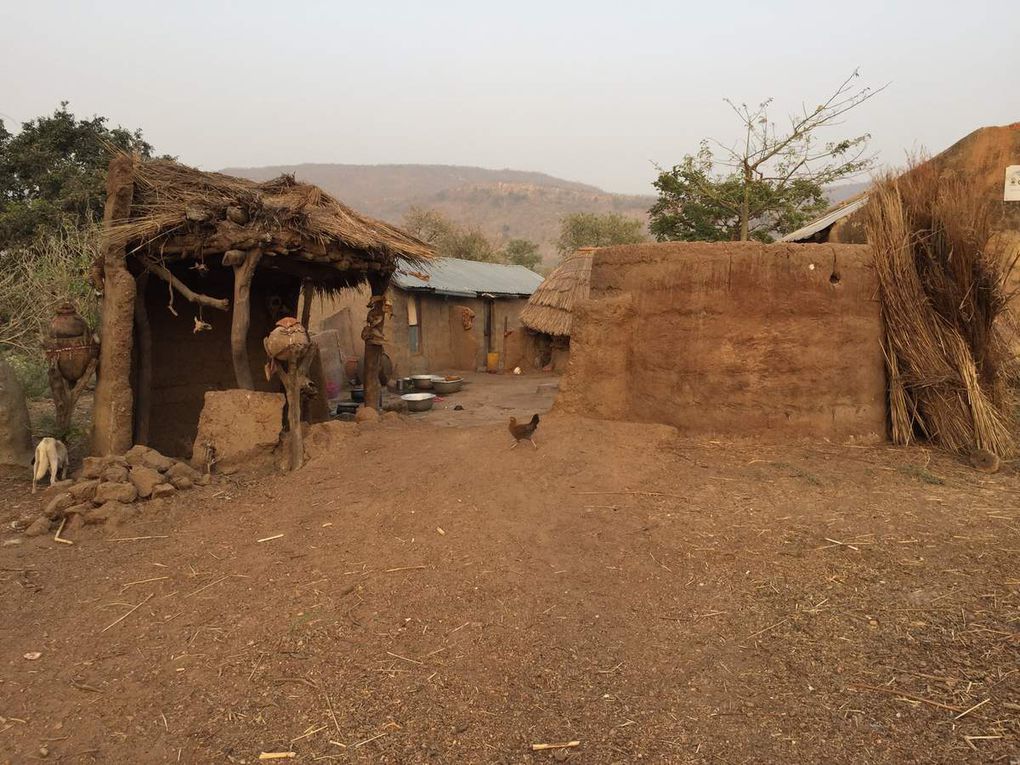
(65, 396)
(113, 407)
(307, 293)
(373, 335)
(143, 404)
(292, 382)
(244, 272)
(61, 399)
(292, 373)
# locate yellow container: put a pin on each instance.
(492, 361)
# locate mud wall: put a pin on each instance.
(731, 338)
(186, 364)
(445, 344)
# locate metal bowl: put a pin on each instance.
(422, 382)
(444, 386)
(418, 402)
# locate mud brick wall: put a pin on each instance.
(734, 338)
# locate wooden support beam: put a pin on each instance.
(143, 330)
(220, 304)
(244, 272)
(307, 293)
(113, 407)
(373, 335)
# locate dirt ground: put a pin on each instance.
(486, 399)
(425, 594)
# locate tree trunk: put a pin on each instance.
(143, 404)
(745, 205)
(113, 410)
(373, 337)
(62, 405)
(244, 272)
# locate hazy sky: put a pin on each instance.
(589, 91)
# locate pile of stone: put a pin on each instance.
(107, 487)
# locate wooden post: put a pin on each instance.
(289, 352)
(292, 373)
(65, 396)
(373, 336)
(113, 408)
(292, 386)
(307, 293)
(143, 404)
(244, 264)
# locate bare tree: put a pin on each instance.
(778, 159)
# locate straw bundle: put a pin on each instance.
(550, 308)
(942, 297)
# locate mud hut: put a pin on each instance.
(982, 157)
(196, 269)
(450, 314)
(549, 314)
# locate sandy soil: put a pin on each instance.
(486, 399)
(437, 597)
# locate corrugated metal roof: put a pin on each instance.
(467, 278)
(826, 220)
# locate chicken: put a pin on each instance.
(524, 431)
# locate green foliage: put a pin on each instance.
(32, 371)
(522, 252)
(54, 171)
(773, 179)
(447, 238)
(36, 278)
(696, 204)
(594, 230)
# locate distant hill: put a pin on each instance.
(844, 191)
(504, 204)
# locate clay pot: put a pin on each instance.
(67, 323)
(351, 365)
(72, 364)
(288, 341)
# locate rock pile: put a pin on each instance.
(107, 487)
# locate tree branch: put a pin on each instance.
(221, 304)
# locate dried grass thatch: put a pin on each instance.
(185, 212)
(551, 308)
(943, 295)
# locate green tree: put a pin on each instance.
(771, 181)
(522, 252)
(697, 205)
(447, 238)
(53, 172)
(594, 230)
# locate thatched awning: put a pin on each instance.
(551, 308)
(180, 212)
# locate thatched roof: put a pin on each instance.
(182, 212)
(550, 309)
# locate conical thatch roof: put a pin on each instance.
(190, 213)
(551, 308)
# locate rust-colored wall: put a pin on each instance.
(734, 338)
(185, 365)
(445, 344)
